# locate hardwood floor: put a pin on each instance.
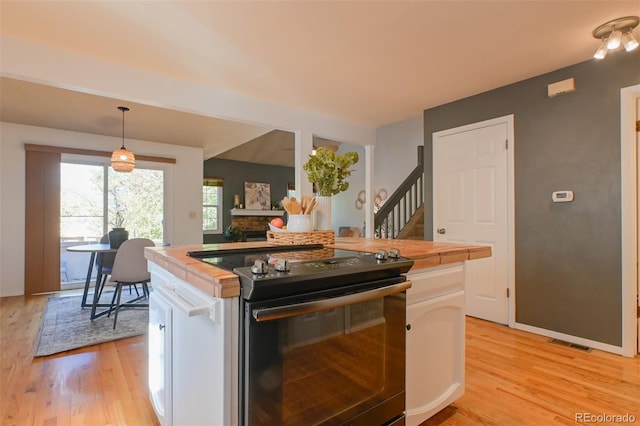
(517, 378)
(104, 384)
(513, 378)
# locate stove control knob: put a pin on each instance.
(259, 267)
(381, 255)
(282, 265)
(394, 253)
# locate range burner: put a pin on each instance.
(268, 272)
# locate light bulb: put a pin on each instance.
(629, 41)
(602, 50)
(613, 42)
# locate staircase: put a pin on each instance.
(402, 216)
(414, 229)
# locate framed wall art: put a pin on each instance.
(257, 196)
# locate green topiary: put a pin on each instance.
(328, 170)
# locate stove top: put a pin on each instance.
(288, 270)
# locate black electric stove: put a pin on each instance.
(268, 272)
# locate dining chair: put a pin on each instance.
(130, 268)
(104, 265)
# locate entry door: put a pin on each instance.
(470, 205)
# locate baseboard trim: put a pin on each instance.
(571, 339)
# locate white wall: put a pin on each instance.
(183, 183)
(395, 156)
(396, 152)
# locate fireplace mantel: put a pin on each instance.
(245, 212)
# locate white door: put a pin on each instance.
(471, 205)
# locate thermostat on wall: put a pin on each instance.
(562, 196)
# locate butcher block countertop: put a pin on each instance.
(221, 283)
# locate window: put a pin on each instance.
(93, 194)
(82, 206)
(212, 206)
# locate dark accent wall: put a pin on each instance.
(235, 174)
(567, 255)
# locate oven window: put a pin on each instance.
(328, 366)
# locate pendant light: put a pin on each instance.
(123, 160)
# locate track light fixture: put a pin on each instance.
(614, 33)
(123, 160)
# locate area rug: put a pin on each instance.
(66, 326)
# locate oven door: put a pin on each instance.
(328, 358)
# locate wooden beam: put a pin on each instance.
(95, 153)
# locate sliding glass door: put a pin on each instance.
(94, 199)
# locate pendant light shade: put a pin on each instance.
(123, 160)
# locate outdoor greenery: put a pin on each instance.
(134, 201)
(329, 170)
(211, 200)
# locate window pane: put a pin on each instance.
(210, 218)
(81, 201)
(210, 195)
(211, 205)
(138, 197)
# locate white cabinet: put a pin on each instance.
(435, 340)
(160, 365)
(193, 353)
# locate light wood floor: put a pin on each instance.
(513, 378)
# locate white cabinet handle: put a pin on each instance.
(187, 302)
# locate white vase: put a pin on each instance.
(323, 214)
(299, 223)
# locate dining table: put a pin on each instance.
(95, 250)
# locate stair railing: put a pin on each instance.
(395, 213)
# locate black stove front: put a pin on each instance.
(322, 335)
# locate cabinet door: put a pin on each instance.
(160, 326)
(435, 355)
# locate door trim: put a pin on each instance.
(629, 207)
(508, 121)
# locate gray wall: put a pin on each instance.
(235, 174)
(567, 256)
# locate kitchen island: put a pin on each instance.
(434, 320)
(221, 283)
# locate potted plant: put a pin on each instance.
(328, 171)
(118, 234)
(232, 234)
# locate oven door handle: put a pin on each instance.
(287, 311)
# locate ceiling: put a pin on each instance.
(372, 63)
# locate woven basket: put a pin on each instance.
(297, 238)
